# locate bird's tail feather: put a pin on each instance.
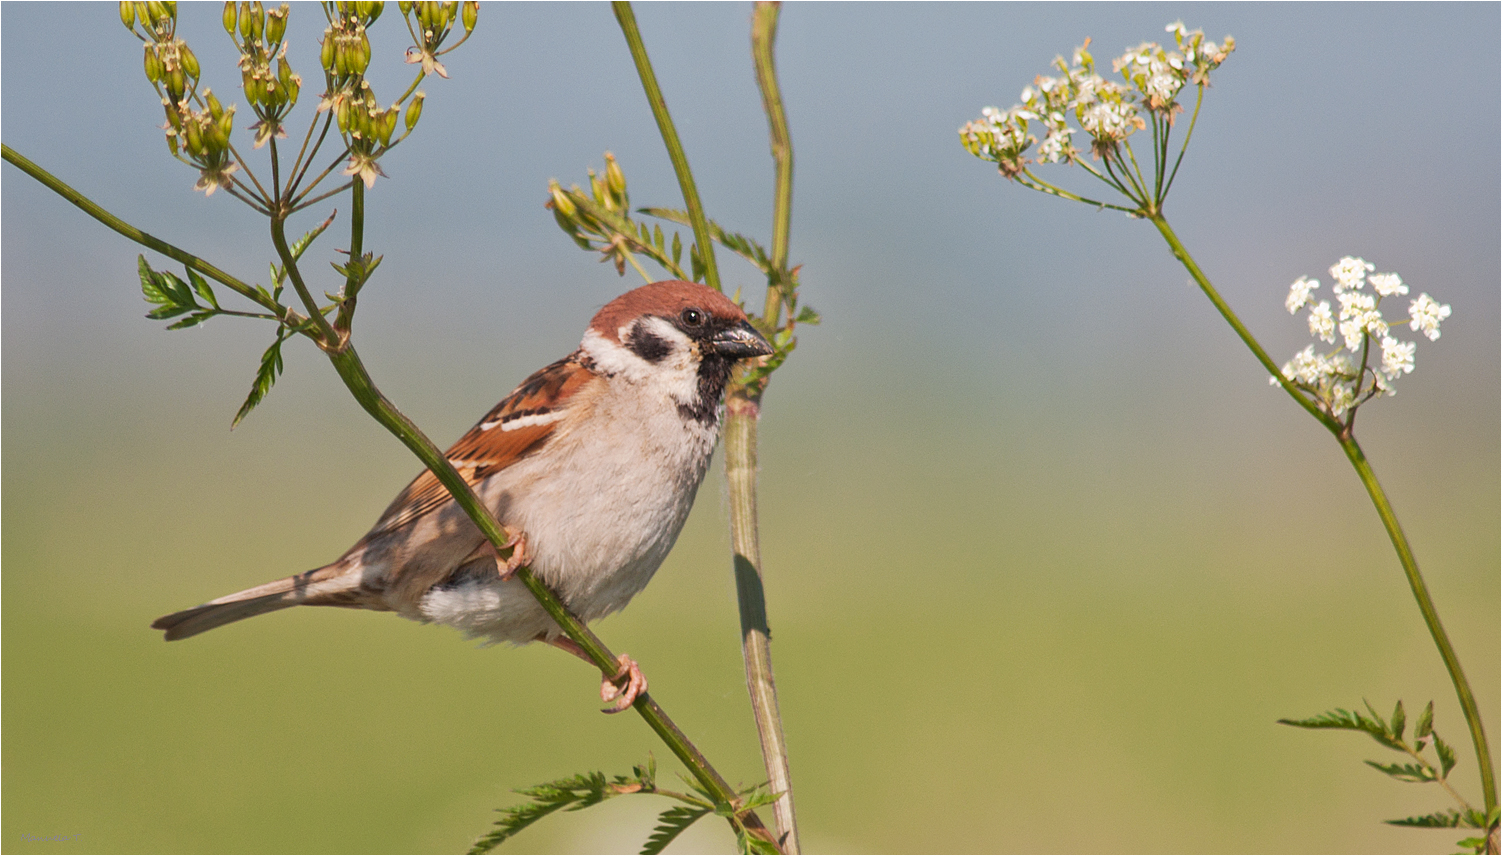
(327, 586)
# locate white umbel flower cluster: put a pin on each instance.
(1344, 379)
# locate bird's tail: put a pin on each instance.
(331, 585)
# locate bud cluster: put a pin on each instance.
(607, 220)
(1342, 380)
(201, 136)
(270, 84)
(1109, 112)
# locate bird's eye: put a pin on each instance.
(692, 317)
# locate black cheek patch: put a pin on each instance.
(648, 345)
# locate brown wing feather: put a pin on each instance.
(489, 447)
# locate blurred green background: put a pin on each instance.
(1046, 557)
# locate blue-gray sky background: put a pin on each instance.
(1046, 555)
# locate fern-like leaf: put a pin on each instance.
(670, 824)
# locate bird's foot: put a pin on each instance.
(519, 555)
(623, 689)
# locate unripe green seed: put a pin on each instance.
(229, 17)
(128, 15)
(192, 138)
(326, 50)
(176, 84)
(245, 21)
(561, 203)
(154, 66)
(276, 25)
(215, 108)
(614, 178)
(257, 19)
(188, 60)
(414, 110)
(471, 12)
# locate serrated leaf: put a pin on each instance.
(670, 824)
(149, 288)
(1404, 772)
(1341, 718)
(807, 315)
(201, 286)
(191, 321)
(176, 289)
(1425, 725)
(167, 311)
(271, 366)
(1446, 756)
(1399, 722)
(1438, 820)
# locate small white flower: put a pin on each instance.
(1340, 400)
(1298, 294)
(1306, 367)
(1387, 284)
(1425, 314)
(1354, 304)
(1350, 272)
(1321, 322)
(1353, 329)
(1397, 357)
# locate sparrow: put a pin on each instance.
(592, 464)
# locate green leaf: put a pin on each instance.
(176, 289)
(670, 824)
(202, 287)
(1475, 845)
(1446, 756)
(1425, 725)
(168, 311)
(546, 799)
(1405, 772)
(271, 366)
(1438, 820)
(192, 320)
(807, 315)
(1343, 719)
(149, 287)
(677, 248)
(1399, 722)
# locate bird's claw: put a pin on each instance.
(519, 555)
(624, 687)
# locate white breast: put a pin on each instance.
(600, 508)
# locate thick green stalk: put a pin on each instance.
(352, 371)
(1384, 511)
(627, 19)
(1431, 616)
(741, 416)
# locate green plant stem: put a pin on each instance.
(1358, 460)
(1241, 331)
(702, 237)
(742, 414)
(151, 242)
(763, 39)
(1431, 615)
(352, 371)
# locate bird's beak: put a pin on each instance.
(740, 342)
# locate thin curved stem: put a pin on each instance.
(1348, 444)
(702, 236)
(151, 242)
(1431, 616)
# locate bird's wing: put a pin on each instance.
(521, 424)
